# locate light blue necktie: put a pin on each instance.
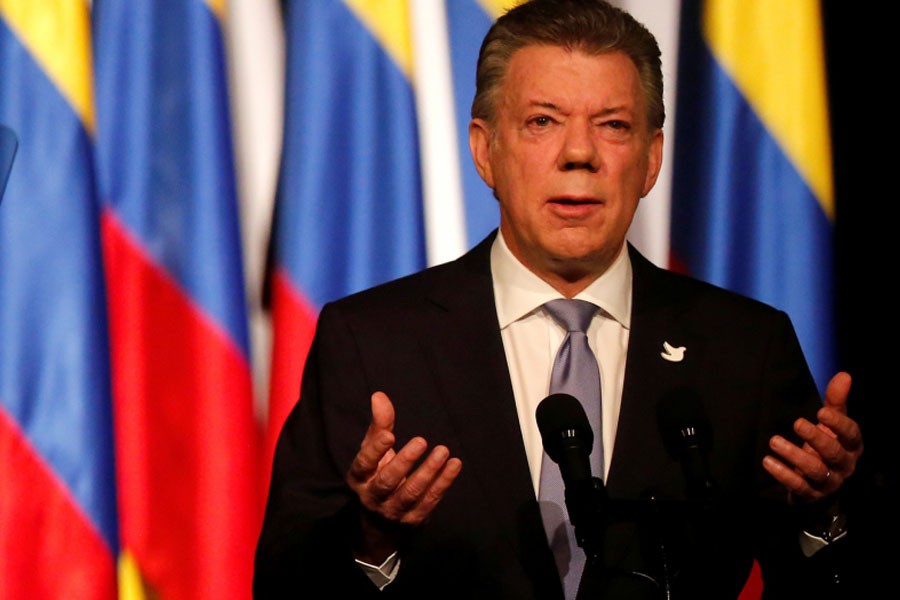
(575, 372)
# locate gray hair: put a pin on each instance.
(590, 26)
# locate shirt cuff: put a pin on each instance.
(810, 544)
(381, 575)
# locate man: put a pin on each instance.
(567, 131)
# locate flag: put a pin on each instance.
(753, 204)
(8, 145)
(349, 209)
(58, 532)
(650, 229)
(186, 442)
(752, 196)
(255, 41)
(468, 22)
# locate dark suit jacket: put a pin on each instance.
(431, 341)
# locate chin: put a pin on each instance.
(577, 246)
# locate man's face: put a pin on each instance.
(569, 156)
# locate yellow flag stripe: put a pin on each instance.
(773, 51)
(218, 8)
(131, 584)
(388, 20)
(57, 34)
(495, 8)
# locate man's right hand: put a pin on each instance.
(389, 493)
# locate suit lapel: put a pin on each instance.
(640, 464)
(473, 376)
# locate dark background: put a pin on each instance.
(860, 69)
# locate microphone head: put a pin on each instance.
(563, 424)
(683, 423)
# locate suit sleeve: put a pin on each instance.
(791, 393)
(311, 513)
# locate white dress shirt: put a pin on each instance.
(531, 338)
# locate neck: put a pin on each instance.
(569, 276)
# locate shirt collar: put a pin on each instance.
(519, 292)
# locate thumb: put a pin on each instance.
(837, 391)
(382, 411)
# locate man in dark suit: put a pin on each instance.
(567, 131)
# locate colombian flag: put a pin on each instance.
(753, 200)
(58, 523)
(349, 208)
(376, 179)
(186, 443)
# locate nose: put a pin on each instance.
(579, 149)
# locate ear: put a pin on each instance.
(654, 161)
(480, 146)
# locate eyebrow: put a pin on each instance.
(547, 105)
(603, 113)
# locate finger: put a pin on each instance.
(843, 427)
(375, 448)
(825, 444)
(837, 391)
(388, 457)
(795, 483)
(418, 482)
(808, 464)
(382, 411)
(423, 490)
(379, 439)
(392, 473)
(436, 490)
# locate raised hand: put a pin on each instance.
(391, 492)
(830, 450)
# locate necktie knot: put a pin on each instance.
(574, 315)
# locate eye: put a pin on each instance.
(540, 122)
(618, 125)
(616, 129)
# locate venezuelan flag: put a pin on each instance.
(58, 523)
(186, 442)
(753, 200)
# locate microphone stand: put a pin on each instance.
(587, 504)
(592, 513)
(658, 526)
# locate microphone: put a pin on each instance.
(567, 436)
(687, 436)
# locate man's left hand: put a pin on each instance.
(830, 450)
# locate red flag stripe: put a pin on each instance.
(180, 390)
(48, 548)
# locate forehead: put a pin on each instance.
(571, 80)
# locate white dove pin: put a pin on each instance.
(671, 353)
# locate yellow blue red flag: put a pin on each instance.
(58, 521)
(753, 200)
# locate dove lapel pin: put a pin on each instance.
(672, 353)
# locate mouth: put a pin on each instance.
(571, 201)
(575, 209)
